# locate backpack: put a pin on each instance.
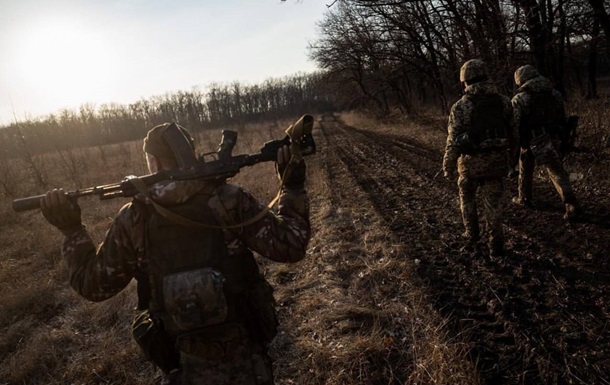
(190, 275)
(489, 126)
(192, 285)
(543, 117)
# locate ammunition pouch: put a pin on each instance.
(194, 299)
(470, 144)
(156, 344)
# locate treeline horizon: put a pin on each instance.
(218, 105)
(389, 57)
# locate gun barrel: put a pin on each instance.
(33, 202)
(28, 203)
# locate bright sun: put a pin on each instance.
(68, 62)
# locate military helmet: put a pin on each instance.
(474, 71)
(525, 73)
(155, 144)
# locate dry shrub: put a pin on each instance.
(40, 354)
(15, 333)
(103, 348)
(34, 299)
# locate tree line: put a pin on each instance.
(383, 55)
(218, 105)
(407, 53)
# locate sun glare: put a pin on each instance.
(67, 62)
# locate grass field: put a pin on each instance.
(353, 312)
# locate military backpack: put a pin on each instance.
(543, 118)
(193, 285)
(488, 130)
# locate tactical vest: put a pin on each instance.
(488, 130)
(194, 283)
(543, 117)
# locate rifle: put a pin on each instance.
(569, 135)
(298, 137)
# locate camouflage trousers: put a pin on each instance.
(557, 173)
(223, 359)
(491, 191)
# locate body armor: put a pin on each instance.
(489, 126)
(195, 284)
(543, 119)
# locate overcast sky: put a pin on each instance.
(63, 53)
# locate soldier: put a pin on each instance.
(209, 313)
(540, 117)
(480, 136)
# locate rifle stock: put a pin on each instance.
(224, 167)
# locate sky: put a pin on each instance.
(61, 54)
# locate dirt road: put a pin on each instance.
(538, 316)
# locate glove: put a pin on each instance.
(61, 211)
(295, 179)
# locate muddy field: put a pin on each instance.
(540, 315)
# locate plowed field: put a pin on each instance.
(540, 315)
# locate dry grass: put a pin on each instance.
(352, 312)
(431, 130)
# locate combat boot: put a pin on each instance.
(572, 212)
(496, 246)
(471, 241)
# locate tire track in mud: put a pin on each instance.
(535, 317)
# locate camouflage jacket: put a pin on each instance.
(490, 164)
(523, 99)
(100, 273)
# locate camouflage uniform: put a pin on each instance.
(231, 355)
(482, 171)
(530, 82)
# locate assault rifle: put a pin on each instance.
(298, 137)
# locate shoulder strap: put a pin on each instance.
(179, 219)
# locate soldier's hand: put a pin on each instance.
(60, 211)
(293, 174)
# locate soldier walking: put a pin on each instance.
(480, 137)
(541, 118)
(208, 314)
